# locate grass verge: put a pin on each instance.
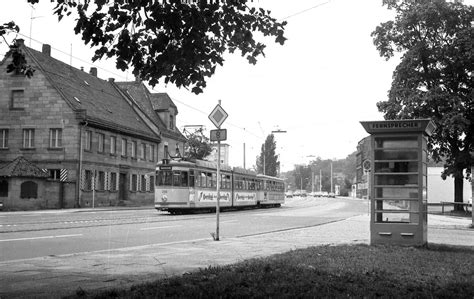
(325, 271)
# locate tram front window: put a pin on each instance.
(164, 178)
(172, 178)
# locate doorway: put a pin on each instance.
(123, 186)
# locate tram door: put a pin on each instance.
(123, 186)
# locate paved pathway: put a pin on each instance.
(54, 276)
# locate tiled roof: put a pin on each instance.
(147, 103)
(102, 101)
(21, 167)
(162, 101)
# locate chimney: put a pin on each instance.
(20, 42)
(93, 71)
(82, 68)
(46, 49)
(111, 80)
(138, 79)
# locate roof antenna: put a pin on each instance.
(31, 22)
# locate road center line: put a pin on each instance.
(44, 237)
(159, 227)
(229, 221)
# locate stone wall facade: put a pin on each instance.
(85, 169)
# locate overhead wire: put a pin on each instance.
(182, 103)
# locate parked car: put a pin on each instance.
(289, 194)
(324, 194)
(332, 195)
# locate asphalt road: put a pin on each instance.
(26, 235)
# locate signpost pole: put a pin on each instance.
(218, 116)
(218, 187)
(218, 181)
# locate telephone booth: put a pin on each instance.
(398, 180)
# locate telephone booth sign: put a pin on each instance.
(398, 180)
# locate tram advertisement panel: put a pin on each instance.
(244, 197)
(211, 196)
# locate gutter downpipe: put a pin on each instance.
(79, 172)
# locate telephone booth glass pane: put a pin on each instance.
(411, 142)
(399, 205)
(395, 167)
(387, 217)
(396, 193)
(396, 155)
(399, 179)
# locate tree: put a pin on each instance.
(197, 145)
(179, 41)
(18, 64)
(268, 157)
(434, 77)
(302, 176)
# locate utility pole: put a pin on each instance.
(331, 178)
(320, 179)
(244, 155)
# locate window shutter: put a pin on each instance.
(117, 181)
(83, 179)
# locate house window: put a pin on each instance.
(171, 125)
(88, 180)
(143, 151)
(151, 186)
(101, 181)
(113, 181)
(134, 149)
(17, 100)
(3, 138)
(124, 147)
(54, 174)
(113, 144)
(143, 183)
(88, 144)
(55, 138)
(165, 149)
(151, 152)
(133, 183)
(28, 138)
(100, 139)
(4, 188)
(29, 189)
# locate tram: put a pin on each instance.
(185, 186)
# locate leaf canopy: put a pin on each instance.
(435, 76)
(181, 42)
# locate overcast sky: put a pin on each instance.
(318, 86)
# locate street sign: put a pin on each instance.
(366, 165)
(218, 116)
(219, 135)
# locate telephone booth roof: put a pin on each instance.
(426, 126)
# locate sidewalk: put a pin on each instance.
(56, 276)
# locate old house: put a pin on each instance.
(98, 140)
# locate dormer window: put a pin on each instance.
(171, 126)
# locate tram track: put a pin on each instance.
(82, 222)
(74, 224)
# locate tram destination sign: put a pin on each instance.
(219, 135)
